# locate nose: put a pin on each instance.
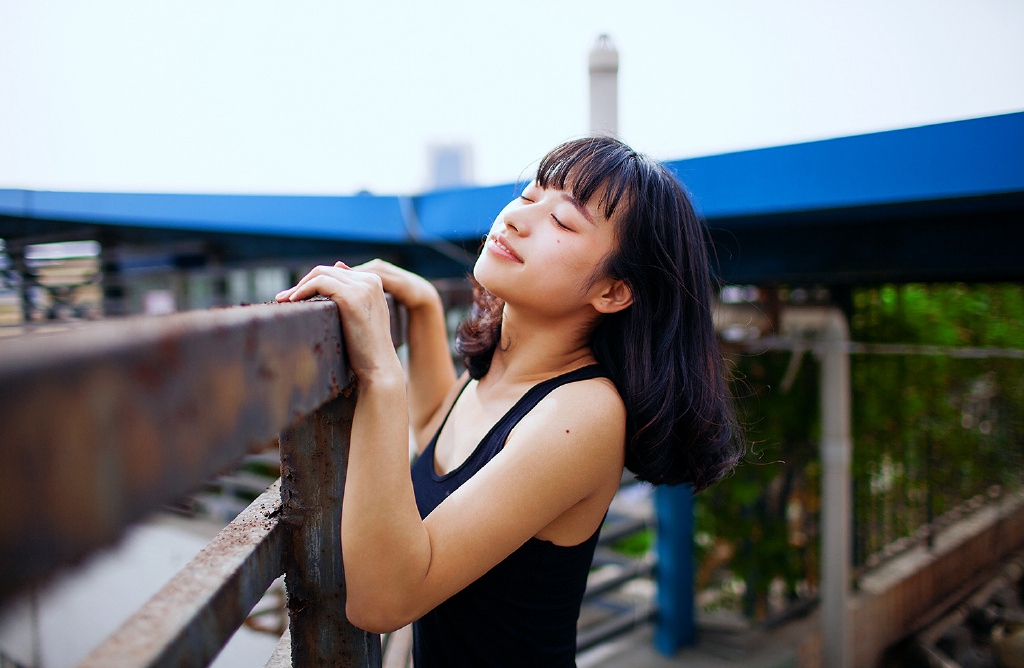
(516, 220)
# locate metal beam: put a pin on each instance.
(282, 656)
(188, 621)
(103, 423)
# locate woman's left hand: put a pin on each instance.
(365, 319)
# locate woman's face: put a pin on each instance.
(543, 249)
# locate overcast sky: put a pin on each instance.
(264, 96)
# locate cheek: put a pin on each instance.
(580, 258)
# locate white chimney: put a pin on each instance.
(604, 87)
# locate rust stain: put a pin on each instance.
(251, 343)
(305, 368)
(149, 375)
(143, 449)
(170, 352)
(210, 412)
(230, 394)
(155, 370)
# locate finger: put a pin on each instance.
(313, 273)
(327, 286)
(283, 295)
(341, 265)
(336, 284)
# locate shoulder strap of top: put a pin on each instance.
(495, 439)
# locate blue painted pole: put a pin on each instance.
(676, 625)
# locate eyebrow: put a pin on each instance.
(579, 207)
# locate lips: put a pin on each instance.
(500, 246)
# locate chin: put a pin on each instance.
(486, 279)
(482, 270)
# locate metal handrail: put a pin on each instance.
(102, 424)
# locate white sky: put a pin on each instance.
(264, 96)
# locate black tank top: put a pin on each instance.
(523, 612)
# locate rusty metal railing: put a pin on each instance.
(102, 424)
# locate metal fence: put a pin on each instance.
(938, 434)
(102, 424)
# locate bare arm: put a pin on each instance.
(431, 372)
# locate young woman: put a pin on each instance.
(590, 347)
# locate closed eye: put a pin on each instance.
(564, 227)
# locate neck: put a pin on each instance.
(534, 349)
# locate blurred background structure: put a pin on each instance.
(901, 221)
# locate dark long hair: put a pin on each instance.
(661, 351)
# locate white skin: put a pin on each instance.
(560, 466)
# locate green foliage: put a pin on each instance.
(635, 545)
(930, 431)
(750, 509)
(989, 315)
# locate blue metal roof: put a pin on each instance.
(463, 213)
(976, 157)
(357, 218)
(982, 156)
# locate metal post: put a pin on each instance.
(16, 255)
(112, 282)
(314, 455)
(676, 626)
(836, 453)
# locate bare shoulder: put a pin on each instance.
(585, 418)
(595, 399)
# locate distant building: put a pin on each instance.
(451, 165)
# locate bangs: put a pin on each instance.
(583, 166)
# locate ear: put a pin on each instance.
(613, 296)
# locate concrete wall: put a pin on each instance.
(910, 591)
